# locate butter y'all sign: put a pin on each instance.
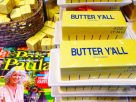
(98, 51)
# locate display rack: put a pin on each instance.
(99, 92)
(60, 99)
(62, 3)
(55, 80)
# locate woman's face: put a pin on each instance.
(15, 77)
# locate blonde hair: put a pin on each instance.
(18, 70)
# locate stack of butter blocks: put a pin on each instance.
(16, 9)
(92, 57)
(44, 39)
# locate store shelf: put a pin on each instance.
(85, 99)
(96, 91)
(55, 76)
(62, 3)
(58, 33)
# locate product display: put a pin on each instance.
(72, 50)
(91, 99)
(78, 25)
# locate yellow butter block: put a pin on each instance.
(32, 43)
(4, 19)
(6, 6)
(97, 23)
(32, 3)
(75, 1)
(82, 0)
(16, 14)
(92, 56)
(19, 3)
(3, 15)
(49, 31)
(25, 11)
(134, 26)
(46, 44)
(49, 24)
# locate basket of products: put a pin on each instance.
(19, 20)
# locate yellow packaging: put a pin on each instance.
(16, 14)
(6, 6)
(112, 0)
(98, 57)
(97, 23)
(19, 3)
(134, 26)
(46, 44)
(25, 11)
